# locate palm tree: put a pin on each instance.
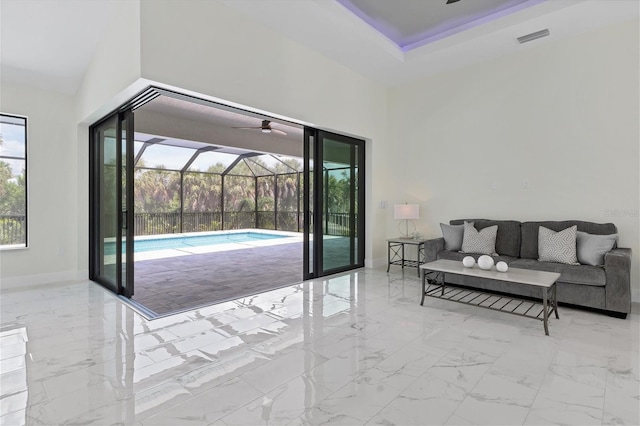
(201, 192)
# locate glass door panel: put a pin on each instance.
(307, 196)
(335, 195)
(340, 200)
(126, 207)
(105, 191)
(111, 196)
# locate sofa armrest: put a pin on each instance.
(432, 248)
(617, 268)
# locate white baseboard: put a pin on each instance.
(375, 263)
(24, 281)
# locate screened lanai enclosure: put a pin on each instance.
(194, 202)
(184, 186)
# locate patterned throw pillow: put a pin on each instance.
(480, 242)
(559, 247)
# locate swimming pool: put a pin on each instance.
(182, 241)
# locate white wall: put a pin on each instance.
(115, 66)
(563, 116)
(216, 51)
(210, 50)
(58, 156)
(53, 207)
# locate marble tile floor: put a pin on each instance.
(351, 349)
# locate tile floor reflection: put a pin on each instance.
(350, 349)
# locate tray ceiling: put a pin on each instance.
(410, 23)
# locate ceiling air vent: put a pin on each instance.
(533, 36)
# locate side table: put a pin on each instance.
(396, 253)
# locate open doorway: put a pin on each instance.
(217, 206)
(217, 203)
(224, 225)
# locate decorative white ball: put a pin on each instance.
(502, 266)
(468, 262)
(485, 262)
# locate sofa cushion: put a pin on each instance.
(452, 235)
(558, 246)
(574, 274)
(507, 238)
(592, 248)
(481, 242)
(454, 255)
(529, 241)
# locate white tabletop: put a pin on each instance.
(523, 276)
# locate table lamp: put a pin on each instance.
(406, 212)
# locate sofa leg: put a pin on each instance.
(621, 315)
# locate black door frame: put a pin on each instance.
(125, 218)
(314, 203)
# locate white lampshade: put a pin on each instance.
(406, 211)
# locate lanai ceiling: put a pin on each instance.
(221, 116)
(218, 125)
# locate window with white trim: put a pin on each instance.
(13, 181)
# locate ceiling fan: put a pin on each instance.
(265, 128)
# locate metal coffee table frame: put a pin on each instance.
(437, 288)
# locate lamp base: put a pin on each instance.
(406, 233)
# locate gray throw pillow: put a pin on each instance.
(592, 248)
(559, 247)
(452, 235)
(479, 242)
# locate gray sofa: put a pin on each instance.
(606, 288)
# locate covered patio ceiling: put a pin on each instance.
(189, 123)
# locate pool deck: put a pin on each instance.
(176, 283)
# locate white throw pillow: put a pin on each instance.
(559, 247)
(480, 242)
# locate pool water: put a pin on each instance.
(194, 241)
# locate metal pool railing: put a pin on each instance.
(170, 223)
(13, 229)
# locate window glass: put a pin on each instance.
(13, 181)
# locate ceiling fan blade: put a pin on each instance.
(280, 132)
(247, 128)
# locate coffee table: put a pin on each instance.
(545, 281)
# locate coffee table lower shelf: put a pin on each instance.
(497, 302)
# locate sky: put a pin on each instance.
(13, 145)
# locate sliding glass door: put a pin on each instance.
(333, 178)
(333, 198)
(110, 197)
